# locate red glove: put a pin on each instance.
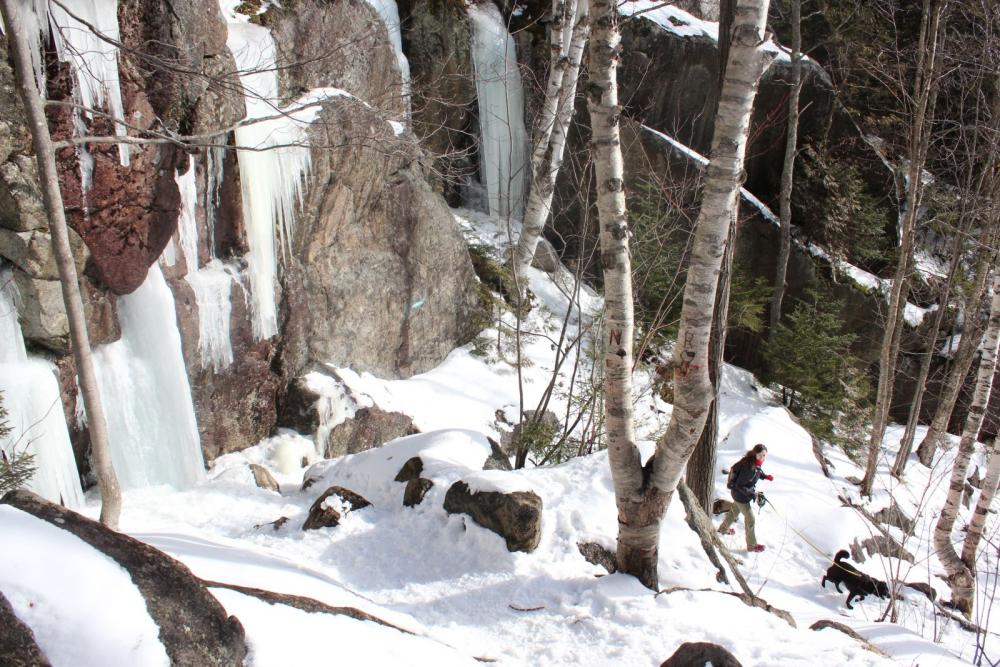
(769, 478)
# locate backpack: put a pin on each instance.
(731, 479)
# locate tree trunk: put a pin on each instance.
(924, 90)
(107, 480)
(637, 539)
(788, 169)
(987, 491)
(554, 119)
(960, 576)
(692, 385)
(964, 355)
(906, 444)
(700, 474)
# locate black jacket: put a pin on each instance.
(745, 475)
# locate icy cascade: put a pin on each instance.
(32, 399)
(503, 149)
(187, 227)
(93, 60)
(389, 11)
(147, 398)
(212, 285)
(274, 158)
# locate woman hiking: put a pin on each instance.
(743, 478)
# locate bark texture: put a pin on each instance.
(961, 577)
(974, 534)
(571, 31)
(642, 492)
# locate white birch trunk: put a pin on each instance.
(623, 456)
(961, 578)
(550, 141)
(111, 499)
(962, 361)
(642, 493)
(987, 492)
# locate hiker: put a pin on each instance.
(743, 478)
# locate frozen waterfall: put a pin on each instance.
(389, 12)
(503, 148)
(147, 398)
(93, 59)
(35, 412)
(213, 286)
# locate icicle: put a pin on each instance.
(212, 285)
(503, 149)
(147, 397)
(93, 60)
(389, 11)
(274, 158)
(11, 341)
(214, 172)
(35, 27)
(31, 396)
(187, 226)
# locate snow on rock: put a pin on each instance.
(681, 23)
(81, 605)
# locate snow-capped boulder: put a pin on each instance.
(17, 641)
(330, 507)
(515, 516)
(194, 628)
(701, 653)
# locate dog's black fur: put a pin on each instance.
(858, 583)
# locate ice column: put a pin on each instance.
(32, 399)
(503, 149)
(273, 159)
(389, 11)
(147, 398)
(212, 285)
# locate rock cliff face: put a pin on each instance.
(376, 274)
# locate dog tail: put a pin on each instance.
(841, 555)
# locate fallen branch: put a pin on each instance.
(305, 604)
(820, 625)
(748, 599)
(710, 540)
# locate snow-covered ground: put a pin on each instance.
(455, 585)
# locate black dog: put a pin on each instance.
(858, 583)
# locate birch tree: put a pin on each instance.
(919, 141)
(642, 491)
(568, 40)
(107, 480)
(987, 491)
(961, 576)
(979, 161)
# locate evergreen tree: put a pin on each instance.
(809, 356)
(15, 468)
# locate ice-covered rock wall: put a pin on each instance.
(147, 398)
(34, 409)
